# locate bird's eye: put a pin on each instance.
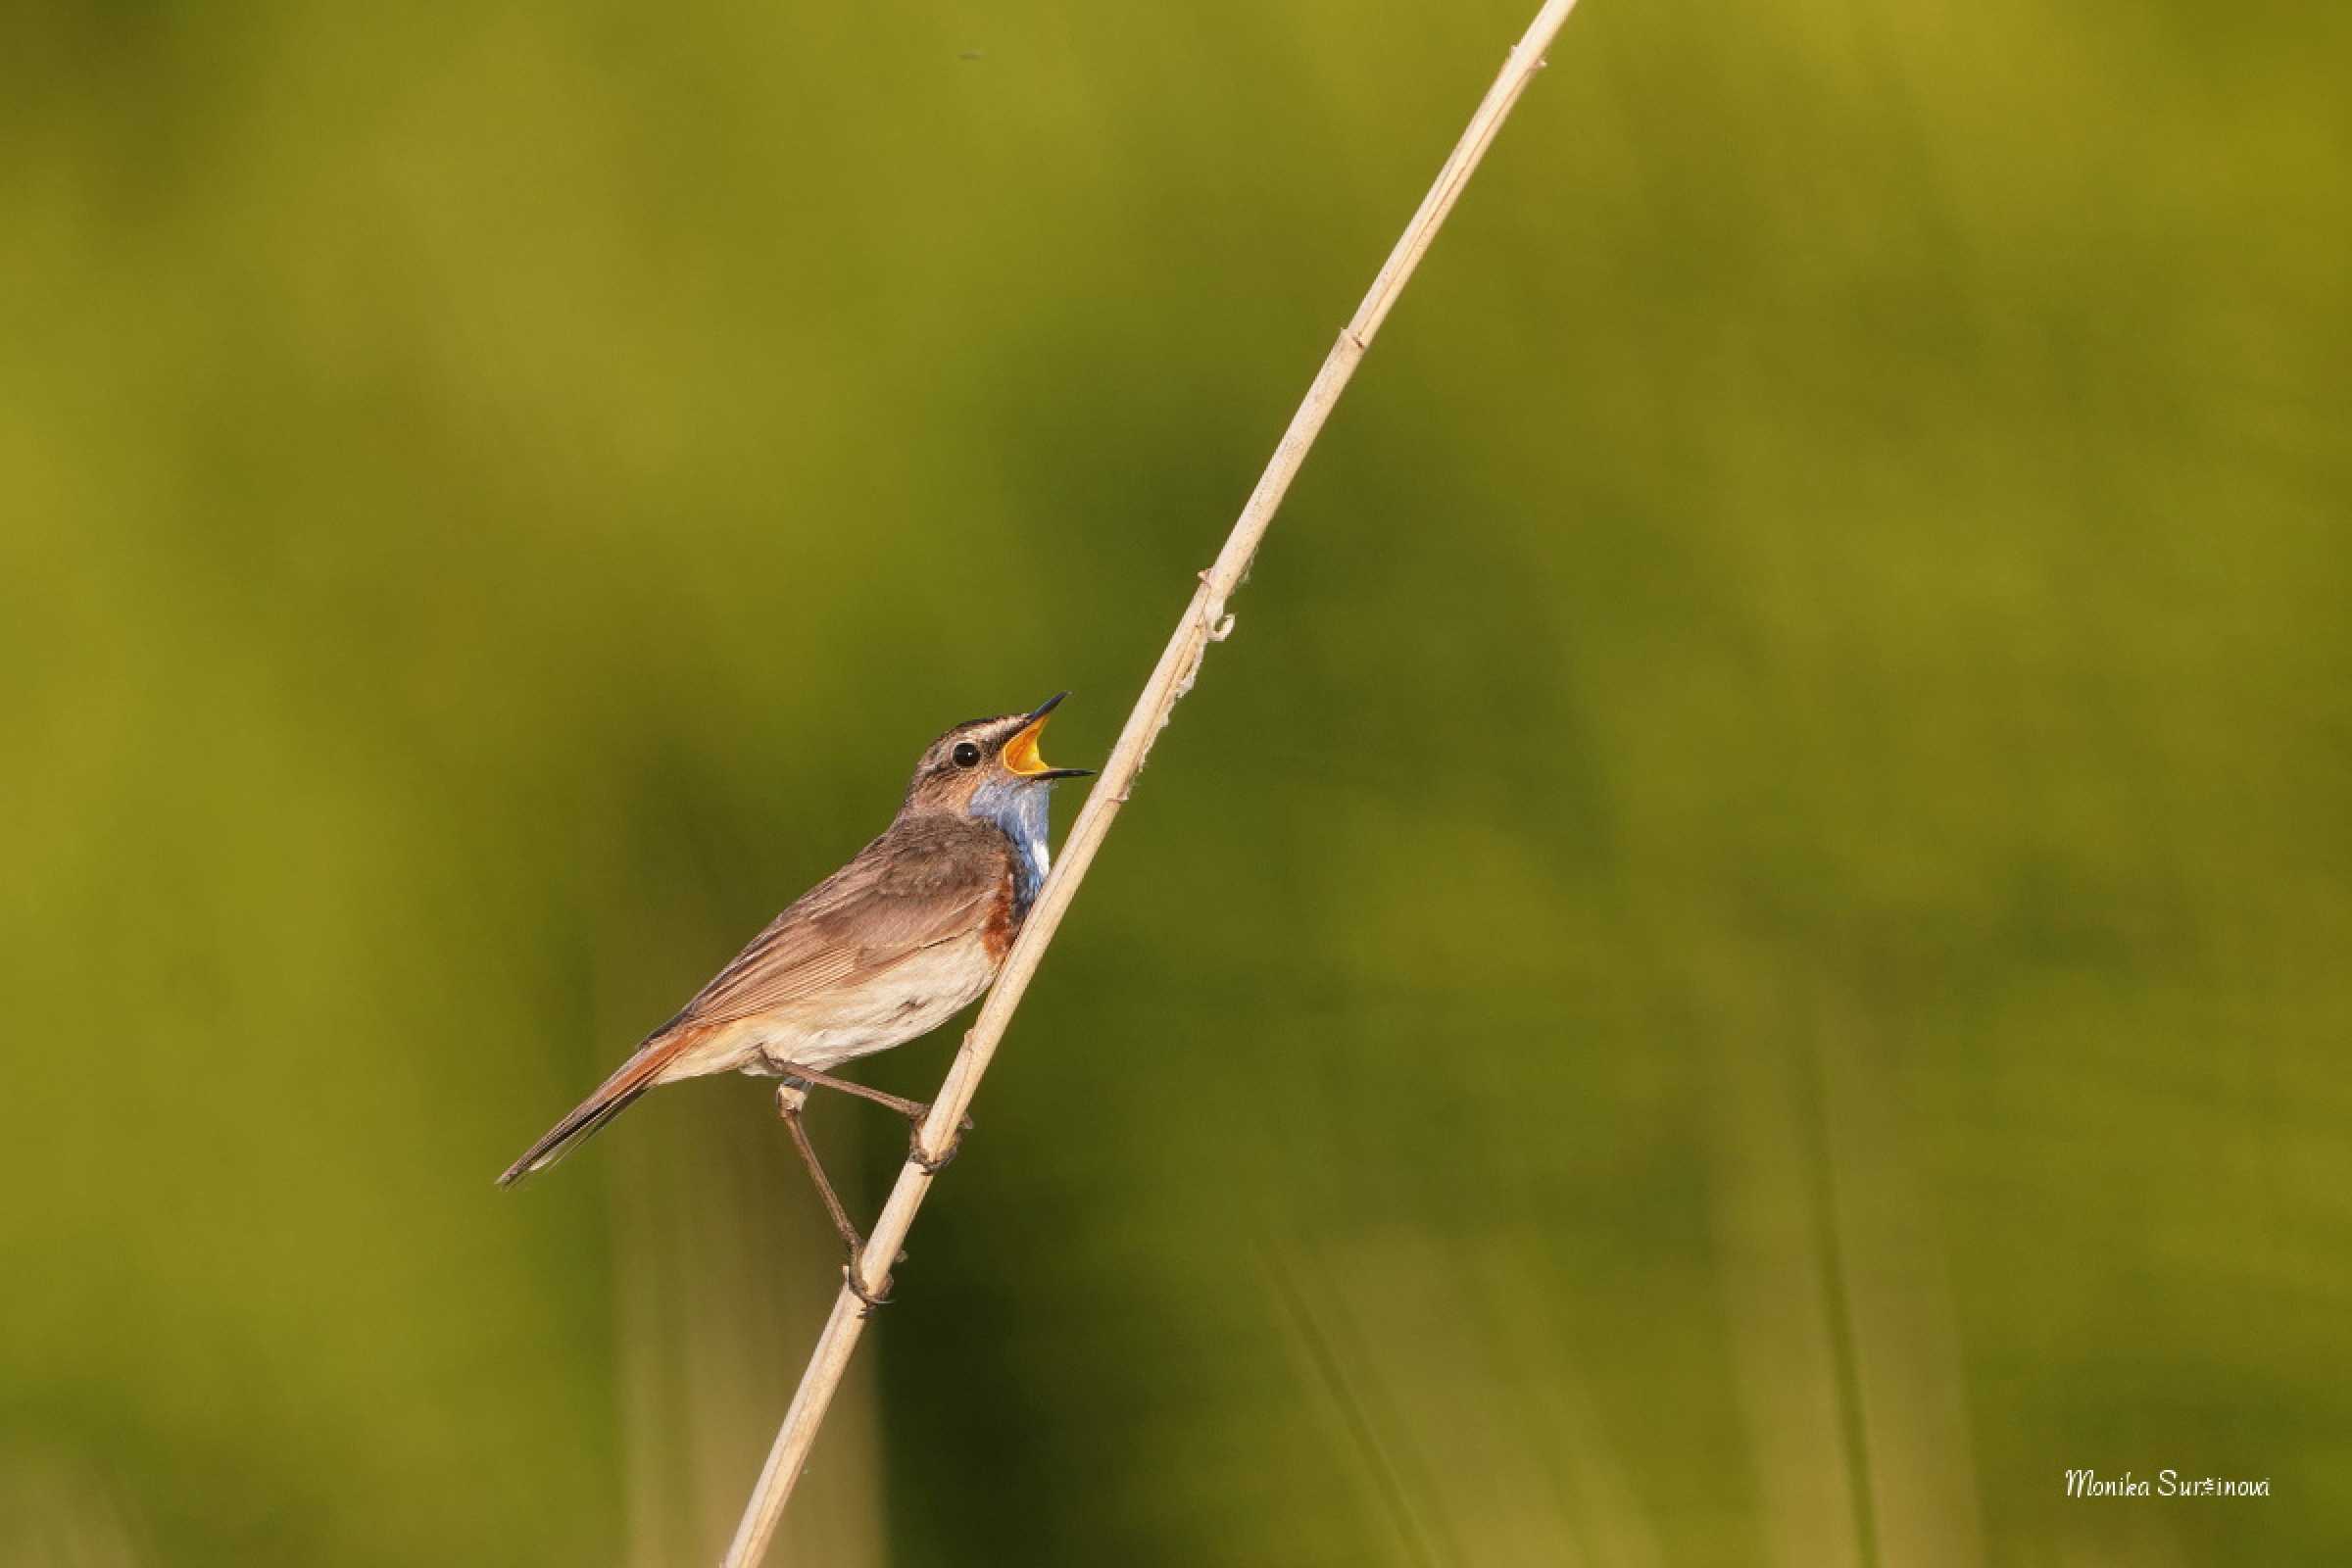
(966, 754)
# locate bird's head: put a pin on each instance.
(989, 766)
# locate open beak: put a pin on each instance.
(1021, 755)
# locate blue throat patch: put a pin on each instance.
(1019, 810)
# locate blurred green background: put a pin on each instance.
(1743, 960)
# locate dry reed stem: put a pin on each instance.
(1205, 621)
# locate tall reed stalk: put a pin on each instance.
(1206, 620)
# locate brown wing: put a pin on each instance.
(925, 881)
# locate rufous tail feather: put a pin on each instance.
(635, 1077)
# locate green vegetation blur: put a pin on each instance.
(1742, 960)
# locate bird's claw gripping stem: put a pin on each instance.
(852, 1276)
(931, 1164)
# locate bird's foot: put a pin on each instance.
(853, 1274)
(928, 1163)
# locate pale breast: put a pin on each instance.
(909, 1000)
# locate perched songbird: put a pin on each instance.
(886, 949)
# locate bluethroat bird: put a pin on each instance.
(886, 949)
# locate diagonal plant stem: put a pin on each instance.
(1205, 621)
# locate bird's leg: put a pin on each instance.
(790, 1095)
(911, 1109)
(915, 1111)
(790, 1098)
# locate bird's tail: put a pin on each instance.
(635, 1077)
